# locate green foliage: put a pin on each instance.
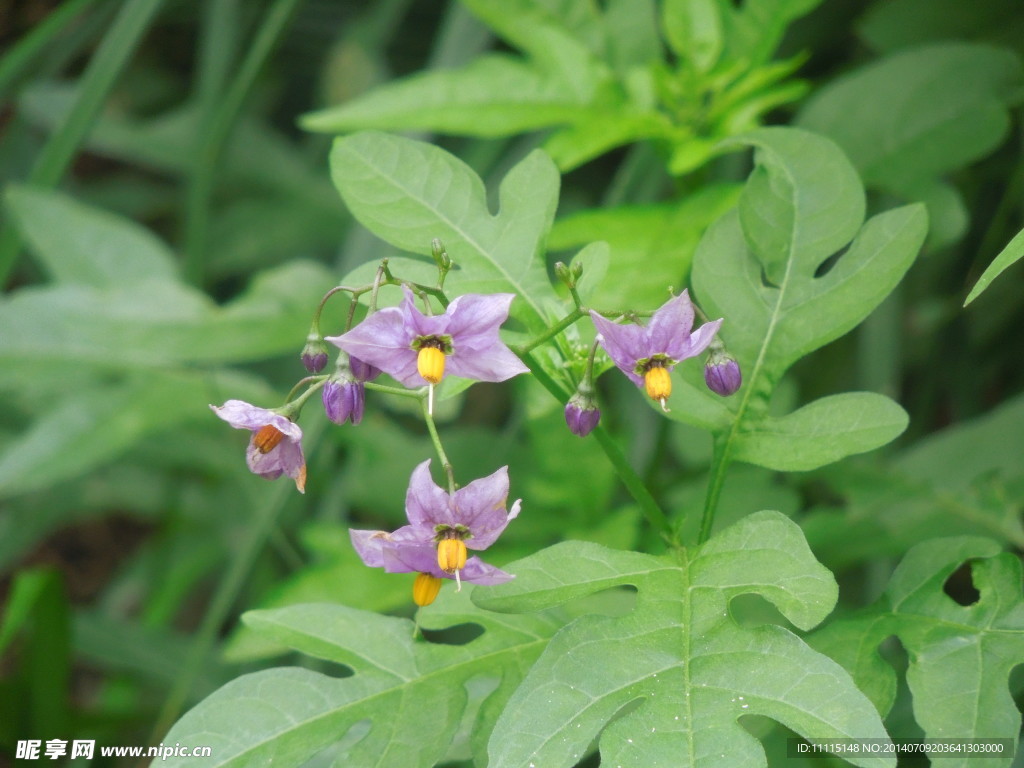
(759, 267)
(599, 77)
(919, 114)
(168, 231)
(961, 656)
(679, 658)
(290, 715)
(408, 193)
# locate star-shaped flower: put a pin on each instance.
(275, 447)
(441, 528)
(418, 349)
(647, 354)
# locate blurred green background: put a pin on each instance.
(168, 228)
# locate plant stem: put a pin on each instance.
(93, 87)
(557, 328)
(432, 429)
(213, 140)
(719, 464)
(648, 505)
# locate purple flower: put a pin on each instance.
(275, 447)
(441, 528)
(581, 414)
(646, 354)
(416, 349)
(344, 395)
(722, 374)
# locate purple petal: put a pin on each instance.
(474, 319)
(480, 506)
(625, 344)
(242, 415)
(368, 546)
(669, 329)
(427, 505)
(494, 363)
(384, 341)
(362, 370)
(285, 458)
(416, 322)
(701, 338)
(402, 557)
(479, 572)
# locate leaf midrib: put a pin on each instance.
(469, 239)
(389, 691)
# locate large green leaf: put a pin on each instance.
(408, 192)
(401, 706)
(793, 269)
(493, 96)
(824, 431)
(157, 323)
(961, 656)
(80, 244)
(966, 479)
(897, 24)
(921, 113)
(666, 683)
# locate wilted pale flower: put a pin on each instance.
(647, 354)
(418, 349)
(275, 447)
(441, 528)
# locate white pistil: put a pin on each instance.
(458, 581)
(430, 399)
(663, 406)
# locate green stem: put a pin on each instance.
(22, 55)
(557, 328)
(419, 394)
(648, 505)
(214, 139)
(432, 429)
(719, 465)
(93, 87)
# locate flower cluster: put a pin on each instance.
(417, 349)
(441, 528)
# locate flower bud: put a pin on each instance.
(314, 354)
(581, 414)
(363, 371)
(440, 255)
(562, 273)
(425, 589)
(722, 374)
(344, 400)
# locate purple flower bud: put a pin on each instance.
(722, 374)
(314, 354)
(363, 371)
(344, 400)
(581, 414)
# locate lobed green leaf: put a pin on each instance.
(666, 683)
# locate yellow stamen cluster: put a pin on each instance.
(430, 364)
(658, 382)
(267, 438)
(425, 589)
(451, 555)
